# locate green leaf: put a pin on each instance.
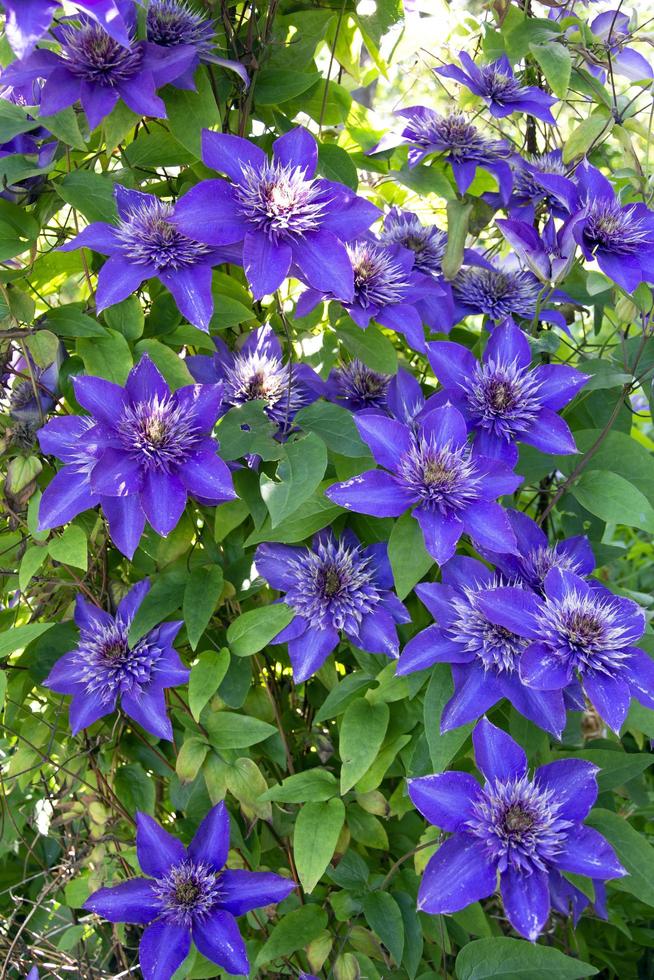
(442, 748)
(190, 112)
(206, 677)
(30, 564)
(89, 193)
(342, 695)
(407, 554)
(314, 514)
(310, 786)
(227, 730)
(633, 850)
(164, 597)
(335, 163)
(135, 788)
(69, 321)
(171, 366)
(317, 829)
(362, 732)
(294, 931)
(254, 629)
(335, 426)
(515, 959)
(585, 134)
(385, 918)
(299, 473)
(276, 85)
(247, 430)
(190, 758)
(201, 595)
(65, 127)
(369, 345)
(19, 636)
(126, 318)
(555, 61)
(228, 312)
(70, 548)
(458, 217)
(613, 499)
(106, 357)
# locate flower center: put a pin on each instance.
(497, 293)
(503, 398)
(108, 666)
(427, 244)
(498, 85)
(446, 478)
(188, 892)
(587, 631)
(157, 433)
(609, 225)
(149, 237)
(378, 280)
(494, 646)
(539, 561)
(173, 22)
(334, 587)
(518, 822)
(280, 200)
(96, 57)
(365, 388)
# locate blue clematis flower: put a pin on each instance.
(430, 467)
(188, 894)
(94, 68)
(386, 289)
(579, 630)
(285, 219)
(484, 657)
(336, 586)
(146, 243)
(496, 84)
(503, 399)
(536, 557)
(104, 668)
(144, 451)
(171, 23)
(526, 828)
(257, 371)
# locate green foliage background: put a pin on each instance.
(315, 775)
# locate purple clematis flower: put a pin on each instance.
(145, 451)
(357, 387)
(496, 84)
(28, 20)
(539, 178)
(526, 828)
(536, 557)
(427, 242)
(612, 27)
(619, 237)
(97, 70)
(104, 667)
(33, 974)
(257, 371)
(386, 289)
(287, 219)
(503, 399)
(463, 146)
(170, 23)
(146, 243)
(550, 254)
(432, 468)
(33, 392)
(579, 630)
(501, 290)
(484, 657)
(337, 586)
(189, 893)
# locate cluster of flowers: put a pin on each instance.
(528, 625)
